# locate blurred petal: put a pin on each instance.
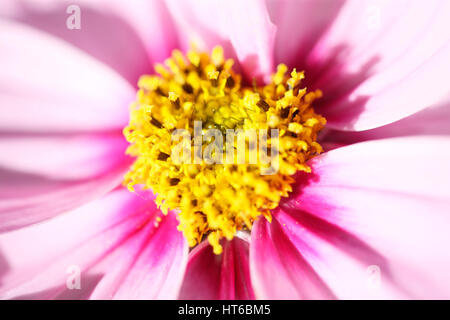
(278, 270)
(292, 44)
(143, 30)
(244, 24)
(381, 205)
(28, 198)
(114, 242)
(224, 277)
(150, 20)
(63, 156)
(44, 175)
(47, 85)
(381, 61)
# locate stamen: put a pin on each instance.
(217, 199)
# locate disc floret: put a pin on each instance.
(215, 200)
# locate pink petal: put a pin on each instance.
(381, 205)
(116, 244)
(27, 198)
(154, 272)
(211, 276)
(48, 85)
(430, 121)
(63, 156)
(45, 175)
(350, 267)
(278, 270)
(244, 24)
(143, 31)
(382, 61)
(292, 44)
(152, 22)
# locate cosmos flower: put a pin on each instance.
(359, 208)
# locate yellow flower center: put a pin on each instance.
(218, 153)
